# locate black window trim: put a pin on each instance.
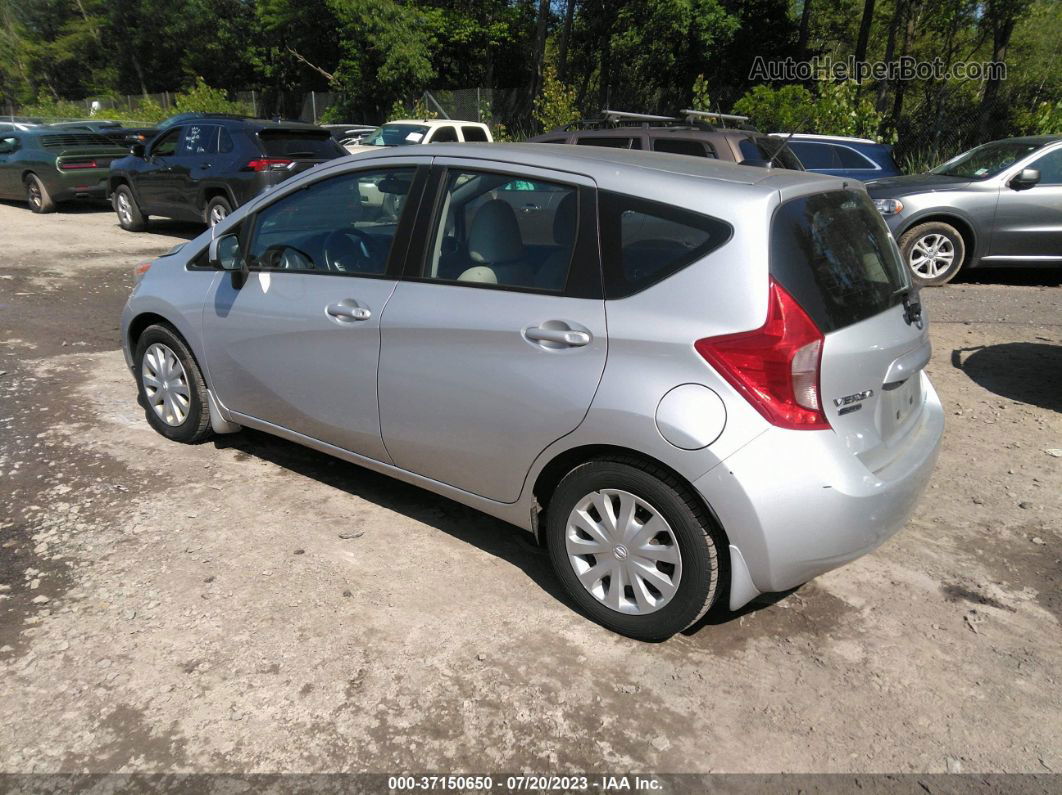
(395, 258)
(615, 283)
(584, 272)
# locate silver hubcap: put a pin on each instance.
(125, 212)
(34, 193)
(623, 552)
(217, 214)
(165, 384)
(932, 255)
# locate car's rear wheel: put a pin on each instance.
(633, 547)
(217, 210)
(934, 252)
(171, 386)
(37, 196)
(129, 215)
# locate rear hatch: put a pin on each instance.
(833, 253)
(292, 151)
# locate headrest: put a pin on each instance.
(480, 273)
(495, 234)
(564, 221)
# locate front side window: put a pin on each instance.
(166, 146)
(986, 161)
(498, 230)
(643, 242)
(1050, 168)
(342, 225)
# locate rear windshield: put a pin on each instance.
(289, 143)
(832, 252)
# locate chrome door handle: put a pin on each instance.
(348, 312)
(573, 339)
(530, 208)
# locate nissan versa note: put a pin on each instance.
(693, 382)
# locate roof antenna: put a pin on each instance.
(785, 143)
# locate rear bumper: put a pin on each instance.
(797, 503)
(81, 186)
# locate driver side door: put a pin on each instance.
(1028, 225)
(296, 347)
(154, 182)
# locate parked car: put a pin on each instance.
(20, 126)
(754, 424)
(113, 131)
(838, 156)
(196, 115)
(349, 134)
(666, 134)
(999, 204)
(202, 169)
(405, 132)
(44, 166)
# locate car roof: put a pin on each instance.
(601, 164)
(1030, 139)
(827, 138)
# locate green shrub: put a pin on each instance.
(555, 104)
(833, 109)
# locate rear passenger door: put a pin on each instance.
(491, 350)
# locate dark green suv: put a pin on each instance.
(45, 166)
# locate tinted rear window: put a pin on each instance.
(815, 155)
(643, 242)
(681, 146)
(614, 143)
(833, 253)
(474, 133)
(289, 143)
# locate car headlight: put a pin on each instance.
(888, 206)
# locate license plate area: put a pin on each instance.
(899, 404)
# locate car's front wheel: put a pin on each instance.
(934, 252)
(634, 548)
(129, 215)
(171, 386)
(37, 196)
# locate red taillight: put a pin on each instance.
(776, 367)
(77, 165)
(267, 163)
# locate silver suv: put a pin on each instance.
(694, 382)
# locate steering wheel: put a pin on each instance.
(283, 257)
(348, 250)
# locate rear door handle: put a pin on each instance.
(530, 208)
(348, 312)
(559, 336)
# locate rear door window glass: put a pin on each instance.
(474, 133)
(444, 135)
(643, 242)
(850, 158)
(614, 143)
(297, 144)
(680, 146)
(812, 155)
(199, 139)
(833, 253)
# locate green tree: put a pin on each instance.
(555, 104)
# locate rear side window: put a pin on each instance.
(850, 158)
(295, 143)
(832, 252)
(474, 133)
(764, 148)
(200, 139)
(816, 155)
(643, 242)
(444, 135)
(614, 143)
(681, 146)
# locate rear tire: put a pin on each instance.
(130, 217)
(217, 210)
(684, 558)
(171, 386)
(933, 252)
(37, 196)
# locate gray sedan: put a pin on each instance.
(999, 204)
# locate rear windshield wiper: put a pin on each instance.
(912, 305)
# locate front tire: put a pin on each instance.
(130, 217)
(37, 196)
(171, 386)
(634, 548)
(934, 253)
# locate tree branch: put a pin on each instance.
(331, 77)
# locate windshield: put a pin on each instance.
(986, 161)
(396, 135)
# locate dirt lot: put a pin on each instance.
(174, 608)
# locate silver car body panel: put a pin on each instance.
(471, 409)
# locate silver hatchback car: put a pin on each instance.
(694, 382)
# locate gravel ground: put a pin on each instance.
(249, 605)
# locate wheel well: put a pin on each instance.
(141, 322)
(969, 238)
(552, 474)
(26, 174)
(116, 181)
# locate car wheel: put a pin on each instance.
(129, 216)
(633, 547)
(217, 210)
(171, 386)
(934, 252)
(37, 195)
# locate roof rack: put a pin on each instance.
(622, 115)
(694, 116)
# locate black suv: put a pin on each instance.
(203, 168)
(668, 134)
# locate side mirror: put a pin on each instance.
(224, 253)
(1025, 179)
(137, 150)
